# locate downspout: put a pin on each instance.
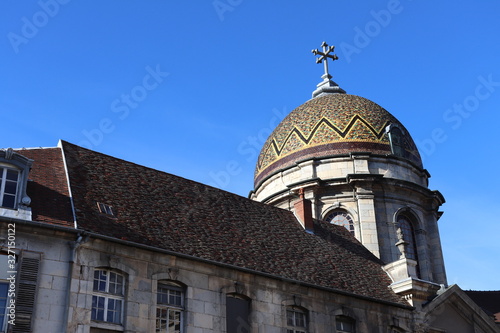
(73, 246)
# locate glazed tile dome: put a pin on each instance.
(330, 125)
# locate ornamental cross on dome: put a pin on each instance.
(324, 58)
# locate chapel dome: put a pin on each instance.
(330, 125)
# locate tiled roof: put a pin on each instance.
(332, 124)
(161, 210)
(158, 209)
(48, 187)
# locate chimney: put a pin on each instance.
(303, 211)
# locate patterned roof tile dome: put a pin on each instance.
(328, 125)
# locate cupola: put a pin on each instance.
(357, 166)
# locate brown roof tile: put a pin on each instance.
(48, 187)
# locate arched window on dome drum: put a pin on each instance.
(341, 217)
(405, 224)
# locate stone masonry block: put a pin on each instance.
(45, 281)
(144, 311)
(197, 280)
(56, 268)
(47, 326)
(132, 309)
(141, 296)
(59, 283)
(51, 296)
(196, 306)
(56, 313)
(43, 312)
(203, 320)
(205, 295)
(212, 309)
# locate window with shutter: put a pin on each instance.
(29, 267)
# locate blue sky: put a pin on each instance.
(193, 88)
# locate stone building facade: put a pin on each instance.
(206, 288)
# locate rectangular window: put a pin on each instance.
(296, 321)
(8, 187)
(108, 298)
(170, 308)
(105, 209)
(237, 314)
(344, 324)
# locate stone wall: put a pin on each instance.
(206, 288)
(205, 295)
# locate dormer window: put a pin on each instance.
(8, 187)
(14, 170)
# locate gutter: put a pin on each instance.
(203, 260)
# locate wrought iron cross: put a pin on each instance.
(324, 57)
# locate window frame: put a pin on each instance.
(106, 209)
(169, 307)
(3, 184)
(108, 296)
(292, 326)
(345, 320)
(347, 216)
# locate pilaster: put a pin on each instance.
(363, 191)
